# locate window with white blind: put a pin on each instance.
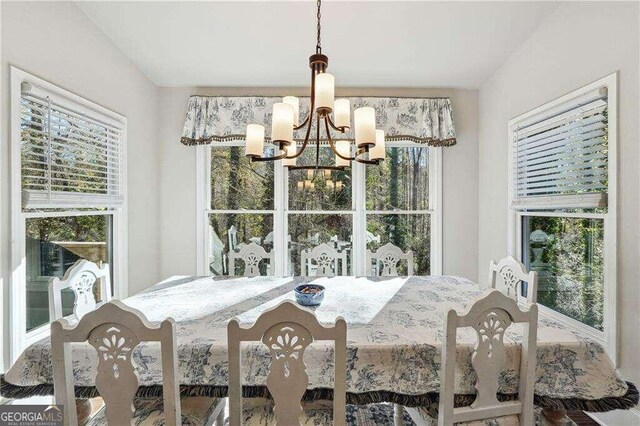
(68, 196)
(561, 155)
(71, 156)
(562, 182)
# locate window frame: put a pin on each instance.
(19, 338)
(281, 210)
(607, 337)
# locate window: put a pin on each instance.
(67, 196)
(320, 211)
(397, 205)
(289, 211)
(242, 205)
(562, 203)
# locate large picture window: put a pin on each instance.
(562, 205)
(397, 205)
(360, 208)
(68, 197)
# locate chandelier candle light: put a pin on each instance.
(369, 142)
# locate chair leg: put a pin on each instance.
(398, 414)
(83, 409)
(220, 417)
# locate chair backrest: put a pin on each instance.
(114, 330)
(513, 274)
(388, 256)
(326, 260)
(287, 330)
(251, 254)
(372, 238)
(80, 278)
(490, 316)
(232, 237)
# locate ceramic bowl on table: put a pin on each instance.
(309, 294)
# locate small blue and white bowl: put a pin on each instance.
(312, 298)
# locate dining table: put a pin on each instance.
(394, 341)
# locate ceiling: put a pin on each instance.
(369, 44)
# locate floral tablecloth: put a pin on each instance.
(394, 332)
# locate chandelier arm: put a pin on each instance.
(332, 145)
(304, 123)
(273, 158)
(334, 127)
(309, 120)
(362, 151)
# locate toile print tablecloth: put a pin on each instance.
(394, 333)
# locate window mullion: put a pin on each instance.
(280, 221)
(359, 222)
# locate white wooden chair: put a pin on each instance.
(325, 259)
(489, 316)
(114, 330)
(251, 254)
(80, 278)
(388, 256)
(287, 330)
(512, 275)
(372, 238)
(232, 238)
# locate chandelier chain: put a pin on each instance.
(318, 46)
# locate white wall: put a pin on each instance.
(178, 185)
(578, 43)
(59, 43)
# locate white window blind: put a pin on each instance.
(560, 156)
(72, 156)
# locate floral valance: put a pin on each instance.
(224, 118)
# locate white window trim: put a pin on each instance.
(19, 338)
(358, 213)
(607, 337)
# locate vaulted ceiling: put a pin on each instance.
(369, 44)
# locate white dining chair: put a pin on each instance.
(490, 316)
(387, 259)
(232, 237)
(114, 330)
(325, 259)
(389, 256)
(251, 254)
(81, 278)
(513, 275)
(287, 330)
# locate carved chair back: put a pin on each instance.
(490, 316)
(387, 258)
(251, 254)
(287, 330)
(513, 275)
(326, 260)
(114, 330)
(80, 278)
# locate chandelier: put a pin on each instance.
(329, 114)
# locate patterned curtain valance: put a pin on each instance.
(224, 118)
